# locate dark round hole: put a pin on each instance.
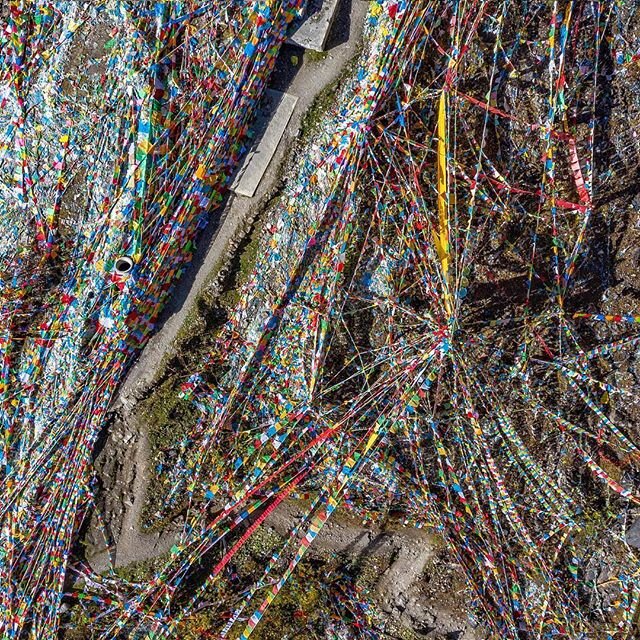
(124, 265)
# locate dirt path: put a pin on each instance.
(124, 462)
(125, 478)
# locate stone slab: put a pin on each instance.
(312, 30)
(633, 534)
(271, 122)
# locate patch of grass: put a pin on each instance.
(78, 625)
(315, 56)
(195, 321)
(144, 570)
(319, 108)
(168, 419)
(596, 521)
(243, 265)
(167, 416)
(326, 99)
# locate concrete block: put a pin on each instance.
(312, 30)
(270, 125)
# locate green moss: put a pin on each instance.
(168, 416)
(326, 99)
(243, 265)
(315, 56)
(168, 419)
(595, 522)
(77, 626)
(197, 321)
(319, 108)
(144, 570)
(193, 323)
(300, 608)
